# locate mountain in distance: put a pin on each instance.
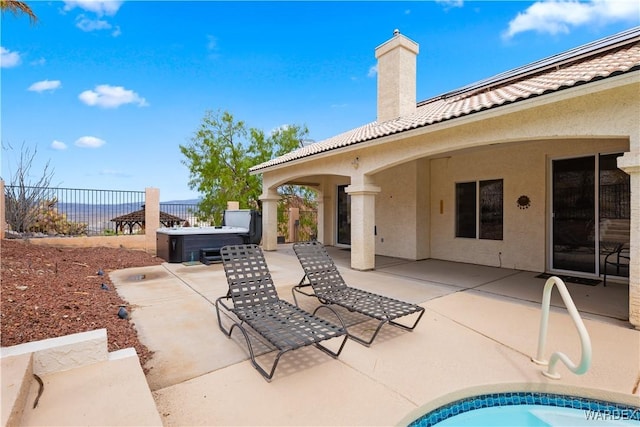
(182, 202)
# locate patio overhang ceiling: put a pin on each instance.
(304, 183)
(313, 181)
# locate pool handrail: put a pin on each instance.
(585, 340)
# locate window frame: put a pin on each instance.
(478, 233)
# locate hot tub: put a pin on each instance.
(191, 244)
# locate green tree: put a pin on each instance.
(18, 7)
(220, 155)
(303, 198)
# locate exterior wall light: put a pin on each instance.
(524, 202)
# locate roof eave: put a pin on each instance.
(596, 85)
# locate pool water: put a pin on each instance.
(535, 415)
(530, 409)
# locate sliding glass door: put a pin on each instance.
(344, 216)
(574, 246)
(590, 213)
(615, 217)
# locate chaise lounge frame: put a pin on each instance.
(330, 288)
(256, 304)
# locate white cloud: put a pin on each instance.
(40, 61)
(212, 47)
(373, 71)
(45, 85)
(58, 145)
(88, 24)
(212, 43)
(8, 59)
(89, 142)
(279, 129)
(99, 7)
(554, 17)
(448, 4)
(624, 10)
(111, 97)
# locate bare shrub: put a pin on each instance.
(24, 197)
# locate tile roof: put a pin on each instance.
(140, 216)
(589, 63)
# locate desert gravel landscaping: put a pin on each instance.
(49, 292)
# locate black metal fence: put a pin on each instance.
(615, 201)
(57, 211)
(68, 211)
(189, 213)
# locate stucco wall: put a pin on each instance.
(423, 209)
(395, 211)
(139, 242)
(401, 211)
(525, 171)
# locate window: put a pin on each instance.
(479, 209)
(466, 209)
(491, 209)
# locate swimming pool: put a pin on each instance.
(529, 409)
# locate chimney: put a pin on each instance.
(396, 77)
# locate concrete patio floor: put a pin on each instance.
(478, 334)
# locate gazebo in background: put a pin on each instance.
(135, 219)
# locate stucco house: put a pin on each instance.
(537, 168)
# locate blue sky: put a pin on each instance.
(106, 91)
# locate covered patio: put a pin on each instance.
(536, 169)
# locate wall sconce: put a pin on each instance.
(355, 162)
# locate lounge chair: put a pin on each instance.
(330, 288)
(256, 304)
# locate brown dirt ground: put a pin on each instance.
(48, 292)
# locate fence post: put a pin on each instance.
(151, 217)
(3, 220)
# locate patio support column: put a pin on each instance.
(630, 163)
(270, 200)
(151, 217)
(363, 220)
